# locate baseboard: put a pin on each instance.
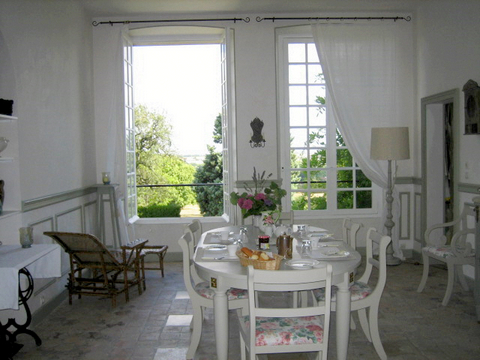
(46, 309)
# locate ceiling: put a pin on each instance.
(119, 8)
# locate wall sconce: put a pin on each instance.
(257, 139)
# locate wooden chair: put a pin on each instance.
(455, 255)
(97, 271)
(201, 294)
(158, 250)
(365, 295)
(270, 328)
(350, 229)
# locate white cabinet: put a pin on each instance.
(9, 166)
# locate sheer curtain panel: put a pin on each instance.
(363, 71)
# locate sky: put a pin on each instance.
(182, 83)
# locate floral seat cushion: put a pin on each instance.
(440, 251)
(287, 331)
(233, 294)
(358, 291)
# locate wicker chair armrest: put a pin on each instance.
(132, 251)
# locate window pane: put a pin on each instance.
(297, 74)
(318, 159)
(299, 201)
(345, 200)
(362, 180)
(319, 201)
(344, 178)
(298, 95)
(314, 72)
(344, 158)
(296, 53)
(318, 137)
(298, 116)
(339, 139)
(297, 158)
(314, 91)
(298, 137)
(299, 180)
(317, 116)
(318, 179)
(312, 53)
(364, 199)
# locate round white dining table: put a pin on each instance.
(223, 275)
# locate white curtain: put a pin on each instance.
(360, 63)
(109, 101)
(110, 110)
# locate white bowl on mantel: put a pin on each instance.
(3, 143)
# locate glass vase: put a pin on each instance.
(26, 236)
(257, 221)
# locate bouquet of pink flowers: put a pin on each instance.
(260, 199)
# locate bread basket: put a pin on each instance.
(259, 264)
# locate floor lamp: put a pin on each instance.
(390, 143)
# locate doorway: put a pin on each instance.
(440, 131)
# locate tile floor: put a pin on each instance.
(155, 325)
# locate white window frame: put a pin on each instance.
(154, 36)
(295, 35)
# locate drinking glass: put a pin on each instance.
(306, 250)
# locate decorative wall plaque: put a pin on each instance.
(472, 107)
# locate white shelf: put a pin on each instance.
(5, 118)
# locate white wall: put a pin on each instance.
(448, 53)
(46, 68)
(48, 44)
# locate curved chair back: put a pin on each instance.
(349, 230)
(300, 321)
(195, 231)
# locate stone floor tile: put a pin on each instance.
(412, 325)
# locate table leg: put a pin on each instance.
(343, 319)
(220, 310)
(8, 338)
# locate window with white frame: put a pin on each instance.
(318, 170)
(194, 37)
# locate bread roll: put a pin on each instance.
(247, 251)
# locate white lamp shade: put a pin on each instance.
(390, 143)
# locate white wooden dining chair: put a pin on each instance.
(269, 328)
(201, 295)
(350, 230)
(195, 230)
(286, 217)
(365, 295)
(456, 254)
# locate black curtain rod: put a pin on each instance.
(95, 23)
(394, 18)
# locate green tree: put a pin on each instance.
(210, 198)
(157, 163)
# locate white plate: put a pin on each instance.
(338, 255)
(215, 247)
(303, 264)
